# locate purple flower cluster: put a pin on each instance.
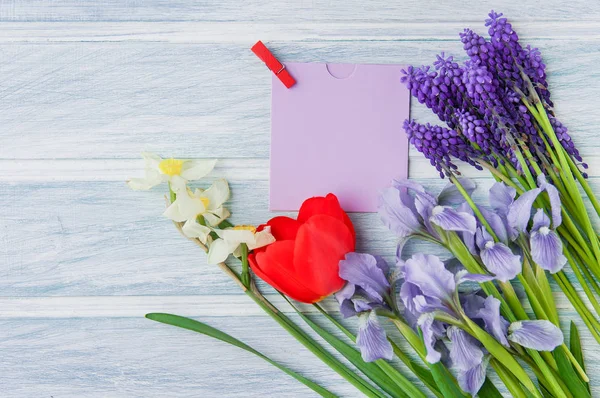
(481, 102)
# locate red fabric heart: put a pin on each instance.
(303, 263)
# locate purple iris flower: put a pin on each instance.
(407, 208)
(365, 291)
(546, 246)
(497, 257)
(519, 211)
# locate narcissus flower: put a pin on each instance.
(162, 170)
(303, 263)
(230, 240)
(189, 205)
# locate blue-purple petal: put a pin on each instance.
(519, 212)
(426, 323)
(395, 215)
(501, 197)
(429, 274)
(362, 270)
(471, 380)
(540, 335)
(372, 340)
(451, 220)
(501, 261)
(465, 351)
(546, 249)
(450, 195)
(554, 199)
(494, 323)
(540, 219)
(464, 276)
(496, 223)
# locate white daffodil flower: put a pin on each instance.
(160, 170)
(230, 240)
(189, 205)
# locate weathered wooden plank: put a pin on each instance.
(100, 238)
(294, 31)
(289, 10)
(135, 357)
(113, 100)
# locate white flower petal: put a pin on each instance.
(143, 184)
(217, 194)
(192, 229)
(173, 213)
(215, 217)
(152, 160)
(196, 169)
(262, 238)
(219, 250)
(237, 236)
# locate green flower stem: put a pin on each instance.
(584, 184)
(510, 381)
(245, 268)
(411, 365)
(473, 206)
(575, 267)
(578, 305)
(591, 280)
(499, 352)
(314, 347)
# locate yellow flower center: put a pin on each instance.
(205, 202)
(245, 228)
(170, 167)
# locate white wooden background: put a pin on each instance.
(85, 86)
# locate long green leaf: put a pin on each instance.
(422, 373)
(445, 381)
(575, 345)
(569, 375)
(199, 327)
(369, 369)
(489, 390)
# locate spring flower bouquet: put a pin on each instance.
(460, 324)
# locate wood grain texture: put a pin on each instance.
(85, 86)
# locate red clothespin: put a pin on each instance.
(273, 64)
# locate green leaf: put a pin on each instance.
(381, 377)
(575, 345)
(569, 375)
(489, 390)
(445, 381)
(421, 372)
(199, 327)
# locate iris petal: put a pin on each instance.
(501, 197)
(519, 212)
(450, 195)
(546, 250)
(362, 270)
(429, 274)
(540, 335)
(372, 340)
(429, 337)
(451, 220)
(495, 324)
(554, 199)
(464, 353)
(472, 380)
(501, 261)
(395, 215)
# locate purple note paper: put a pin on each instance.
(339, 129)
